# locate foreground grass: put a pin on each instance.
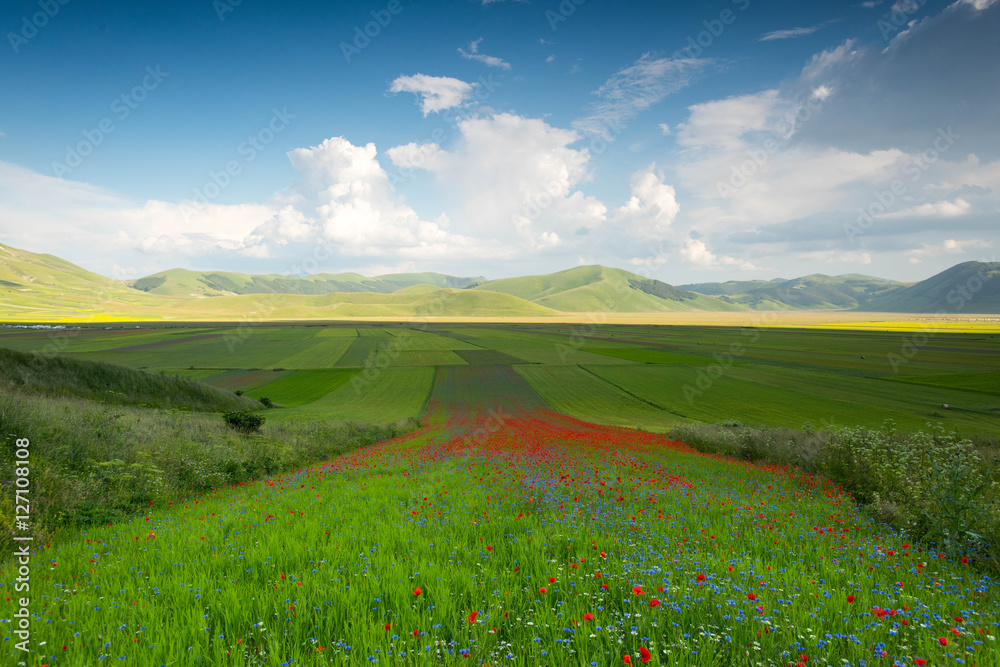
(544, 541)
(92, 462)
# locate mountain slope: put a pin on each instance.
(969, 287)
(34, 285)
(600, 288)
(816, 291)
(729, 287)
(438, 303)
(183, 282)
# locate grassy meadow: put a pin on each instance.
(542, 513)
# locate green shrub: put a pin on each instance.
(939, 488)
(266, 402)
(244, 421)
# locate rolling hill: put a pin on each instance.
(182, 282)
(43, 288)
(969, 287)
(816, 291)
(38, 286)
(600, 288)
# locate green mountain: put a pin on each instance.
(183, 282)
(812, 292)
(729, 288)
(42, 288)
(39, 286)
(969, 287)
(600, 288)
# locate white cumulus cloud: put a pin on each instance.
(435, 93)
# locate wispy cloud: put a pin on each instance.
(474, 54)
(436, 93)
(790, 33)
(946, 247)
(635, 88)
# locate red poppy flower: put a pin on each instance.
(472, 617)
(588, 616)
(700, 577)
(751, 596)
(627, 659)
(943, 641)
(644, 654)
(543, 589)
(552, 580)
(654, 603)
(850, 598)
(417, 591)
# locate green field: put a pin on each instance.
(302, 387)
(536, 514)
(656, 376)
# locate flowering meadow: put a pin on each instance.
(503, 533)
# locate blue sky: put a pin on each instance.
(499, 138)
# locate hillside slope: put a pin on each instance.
(183, 282)
(39, 286)
(62, 376)
(969, 287)
(815, 291)
(600, 288)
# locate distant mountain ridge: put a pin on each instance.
(969, 287)
(816, 291)
(39, 287)
(183, 282)
(603, 289)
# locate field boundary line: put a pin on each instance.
(635, 396)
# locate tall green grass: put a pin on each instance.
(94, 463)
(67, 376)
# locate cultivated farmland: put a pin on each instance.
(527, 522)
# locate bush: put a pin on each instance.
(932, 484)
(266, 402)
(243, 421)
